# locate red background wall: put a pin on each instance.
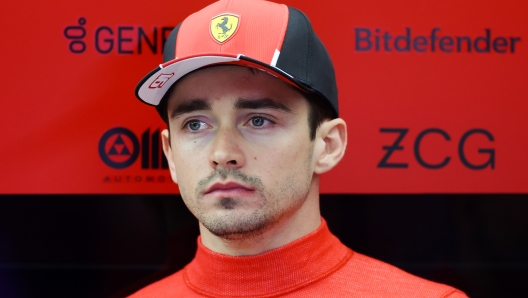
(58, 104)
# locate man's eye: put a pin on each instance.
(258, 121)
(195, 125)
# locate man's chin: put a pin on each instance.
(228, 203)
(233, 227)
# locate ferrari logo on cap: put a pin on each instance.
(224, 26)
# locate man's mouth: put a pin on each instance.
(229, 189)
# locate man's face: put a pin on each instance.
(240, 149)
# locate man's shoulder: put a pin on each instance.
(170, 286)
(374, 277)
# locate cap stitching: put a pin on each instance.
(227, 4)
(306, 64)
(310, 52)
(284, 28)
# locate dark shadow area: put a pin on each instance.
(112, 245)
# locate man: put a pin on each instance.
(249, 95)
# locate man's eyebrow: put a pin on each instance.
(190, 106)
(263, 103)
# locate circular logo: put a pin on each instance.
(119, 148)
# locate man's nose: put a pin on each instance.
(226, 152)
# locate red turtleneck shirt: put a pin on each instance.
(316, 265)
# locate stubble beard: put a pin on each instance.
(232, 224)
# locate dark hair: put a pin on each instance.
(162, 107)
(319, 110)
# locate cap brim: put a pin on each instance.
(154, 85)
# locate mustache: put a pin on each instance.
(223, 174)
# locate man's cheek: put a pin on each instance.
(186, 190)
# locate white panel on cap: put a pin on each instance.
(275, 58)
(154, 95)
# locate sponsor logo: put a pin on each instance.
(120, 148)
(76, 34)
(161, 80)
(116, 39)
(387, 161)
(224, 26)
(435, 41)
(137, 179)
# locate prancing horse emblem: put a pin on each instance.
(224, 26)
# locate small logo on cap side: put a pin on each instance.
(224, 26)
(161, 80)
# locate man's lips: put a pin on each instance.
(229, 188)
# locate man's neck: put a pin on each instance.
(289, 228)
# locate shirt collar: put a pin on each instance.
(278, 271)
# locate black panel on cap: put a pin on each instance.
(169, 50)
(304, 56)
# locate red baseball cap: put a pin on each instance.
(255, 33)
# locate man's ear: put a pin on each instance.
(168, 154)
(330, 145)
